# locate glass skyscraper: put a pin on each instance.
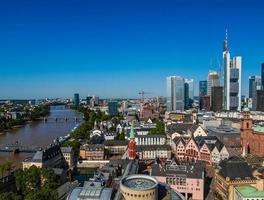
(76, 100)
(202, 88)
(175, 93)
(262, 76)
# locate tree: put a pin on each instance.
(20, 180)
(160, 128)
(10, 196)
(48, 179)
(33, 178)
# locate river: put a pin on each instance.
(40, 133)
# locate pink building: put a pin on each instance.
(204, 148)
(186, 179)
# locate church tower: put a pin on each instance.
(246, 132)
(132, 144)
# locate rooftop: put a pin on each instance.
(236, 169)
(139, 182)
(258, 129)
(250, 192)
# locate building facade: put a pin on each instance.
(204, 103)
(254, 86)
(113, 108)
(190, 83)
(252, 137)
(233, 173)
(68, 154)
(175, 93)
(202, 88)
(92, 152)
(76, 100)
(217, 99)
(186, 179)
(232, 80)
(260, 100)
(212, 81)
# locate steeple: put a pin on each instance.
(132, 132)
(225, 42)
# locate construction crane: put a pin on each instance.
(142, 93)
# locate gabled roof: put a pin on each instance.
(178, 140)
(193, 128)
(180, 128)
(211, 142)
(192, 138)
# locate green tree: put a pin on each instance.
(33, 178)
(20, 180)
(10, 196)
(160, 128)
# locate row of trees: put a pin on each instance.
(35, 113)
(33, 183)
(38, 111)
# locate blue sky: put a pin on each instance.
(54, 48)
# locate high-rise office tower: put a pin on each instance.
(175, 93)
(232, 80)
(202, 88)
(190, 85)
(113, 108)
(212, 81)
(76, 100)
(254, 86)
(217, 98)
(186, 96)
(262, 76)
(260, 100)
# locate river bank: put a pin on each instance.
(39, 133)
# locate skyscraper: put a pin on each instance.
(262, 76)
(76, 100)
(113, 108)
(212, 81)
(217, 98)
(232, 80)
(186, 96)
(202, 88)
(175, 93)
(190, 85)
(254, 86)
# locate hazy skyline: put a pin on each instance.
(118, 48)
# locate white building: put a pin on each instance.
(232, 80)
(175, 93)
(190, 83)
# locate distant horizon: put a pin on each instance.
(119, 48)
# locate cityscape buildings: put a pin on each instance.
(113, 108)
(232, 80)
(175, 93)
(76, 100)
(262, 76)
(217, 98)
(190, 83)
(212, 81)
(202, 88)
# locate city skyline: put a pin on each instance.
(118, 49)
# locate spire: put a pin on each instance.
(225, 41)
(132, 132)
